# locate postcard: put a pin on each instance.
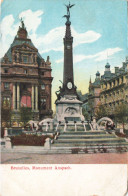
(64, 97)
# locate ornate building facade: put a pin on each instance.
(109, 90)
(115, 90)
(94, 94)
(26, 78)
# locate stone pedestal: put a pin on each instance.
(5, 132)
(47, 144)
(69, 108)
(8, 144)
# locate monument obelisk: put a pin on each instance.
(68, 107)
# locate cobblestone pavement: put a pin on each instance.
(26, 158)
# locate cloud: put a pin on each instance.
(1, 1)
(9, 28)
(45, 43)
(107, 53)
(31, 19)
(53, 39)
(8, 31)
(100, 56)
(87, 37)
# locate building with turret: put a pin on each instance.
(109, 90)
(93, 96)
(114, 90)
(26, 79)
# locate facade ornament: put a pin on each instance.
(22, 23)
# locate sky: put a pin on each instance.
(99, 30)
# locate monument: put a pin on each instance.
(68, 106)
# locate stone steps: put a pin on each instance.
(85, 136)
(91, 139)
(91, 145)
(82, 133)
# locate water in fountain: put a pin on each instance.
(75, 127)
(65, 127)
(57, 126)
(91, 126)
(46, 127)
(84, 127)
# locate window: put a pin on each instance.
(25, 71)
(42, 86)
(5, 70)
(25, 59)
(43, 100)
(30, 59)
(6, 101)
(6, 85)
(43, 103)
(68, 46)
(42, 73)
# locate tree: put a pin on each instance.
(101, 111)
(6, 114)
(121, 113)
(85, 113)
(25, 115)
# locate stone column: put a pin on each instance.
(36, 90)
(32, 58)
(124, 79)
(112, 84)
(21, 58)
(116, 83)
(32, 97)
(18, 96)
(120, 80)
(14, 96)
(35, 57)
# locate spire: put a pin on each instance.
(68, 77)
(90, 82)
(68, 23)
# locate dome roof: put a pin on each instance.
(98, 73)
(107, 65)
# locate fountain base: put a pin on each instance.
(69, 108)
